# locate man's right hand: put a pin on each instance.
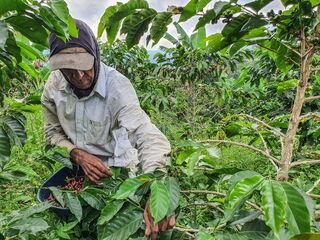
(92, 166)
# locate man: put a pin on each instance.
(93, 111)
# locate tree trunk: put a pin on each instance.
(288, 140)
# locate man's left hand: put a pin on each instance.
(153, 229)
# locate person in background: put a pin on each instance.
(93, 111)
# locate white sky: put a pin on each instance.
(90, 11)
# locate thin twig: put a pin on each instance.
(184, 229)
(316, 184)
(315, 69)
(203, 192)
(276, 131)
(212, 205)
(310, 162)
(218, 194)
(203, 169)
(267, 150)
(316, 196)
(307, 52)
(313, 115)
(312, 97)
(271, 158)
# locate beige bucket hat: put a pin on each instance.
(72, 58)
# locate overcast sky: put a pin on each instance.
(91, 11)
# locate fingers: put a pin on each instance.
(103, 168)
(147, 222)
(92, 176)
(163, 225)
(172, 221)
(151, 228)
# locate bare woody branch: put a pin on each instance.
(267, 149)
(315, 116)
(218, 194)
(269, 157)
(307, 162)
(315, 185)
(276, 131)
(312, 98)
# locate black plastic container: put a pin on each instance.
(58, 179)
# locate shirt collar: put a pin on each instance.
(100, 86)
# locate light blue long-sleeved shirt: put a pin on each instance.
(108, 123)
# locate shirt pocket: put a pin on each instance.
(124, 153)
(98, 131)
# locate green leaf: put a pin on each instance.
(129, 187)
(234, 48)
(109, 211)
(15, 129)
(315, 2)
(159, 201)
(12, 48)
(258, 4)
(297, 211)
(112, 17)
(287, 85)
(58, 195)
(26, 170)
(32, 225)
(122, 226)
(126, 9)
(5, 147)
(92, 200)
(53, 22)
(198, 38)
(192, 161)
(214, 152)
(25, 213)
(159, 26)
(216, 42)
(288, 2)
(4, 34)
(192, 8)
(136, 24)
(30, 28)
(171, 38)
(72, 27)
(241, 25)
(183, 36)
(28, 67)
(105, 19)
(173, 190)
(206, 18)
(29, 51)
(204, 236)
(12, 5)
(60, 8)
(273, 202)
(240, 193)
(61, 155)
(307, 236)
(74, 205)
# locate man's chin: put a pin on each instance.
(86, 87)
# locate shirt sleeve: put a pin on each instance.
(152, 145)
(53, 131)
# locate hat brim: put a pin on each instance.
(80, 61)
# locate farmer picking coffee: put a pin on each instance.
(93, 111)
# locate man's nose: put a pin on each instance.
(79, 74)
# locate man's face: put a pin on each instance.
(79, 78)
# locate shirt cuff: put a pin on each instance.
(67, 144)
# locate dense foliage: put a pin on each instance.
(240, 108)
